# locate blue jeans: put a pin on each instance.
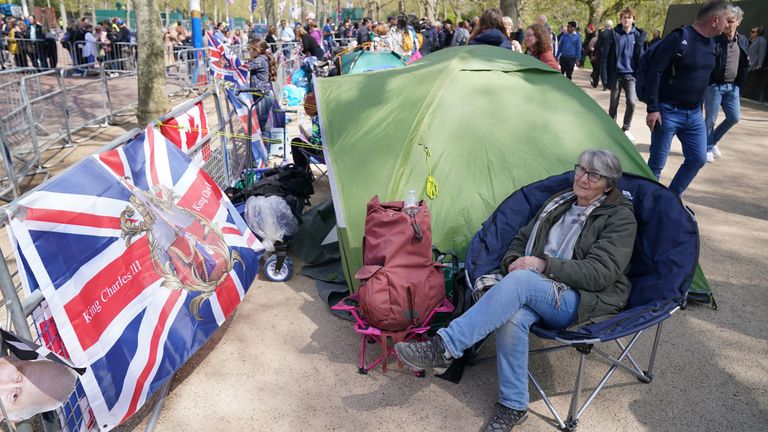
(688, 125)
(521, 299)
(717, 95)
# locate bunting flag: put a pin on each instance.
(156, 259)
(188, 129)
(226, 66)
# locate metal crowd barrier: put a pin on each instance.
(34, 53)
(190, 71)
(19, 150)
(48, 53)
(29, 316)
(71, 105)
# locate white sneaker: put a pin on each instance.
(629, 135)
(716, 152)
(710, 157)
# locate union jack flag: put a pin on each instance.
(241, 104)
(123, 247)
(226, 66)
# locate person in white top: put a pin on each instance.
(91, 45)
(287, 37)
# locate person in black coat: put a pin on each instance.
(35, 48)
(601, 48)
(309, 46)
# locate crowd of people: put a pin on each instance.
(700, 85)
(28, 45)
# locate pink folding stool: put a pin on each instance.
(370, 334)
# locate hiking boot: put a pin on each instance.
(716, 151)
(504, 419)
(422, 355)
(710, 157)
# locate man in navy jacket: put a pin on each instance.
(729, 74)
(625, 46)
(677, 77)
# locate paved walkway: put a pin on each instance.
(285, 364)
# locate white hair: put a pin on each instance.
(737, 12)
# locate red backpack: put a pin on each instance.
(400, 282)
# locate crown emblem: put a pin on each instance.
(186, 249)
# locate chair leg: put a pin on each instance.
(573, 416)
(363, 342)
(649, 371)
(548, 402)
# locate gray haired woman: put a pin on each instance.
(567, 265)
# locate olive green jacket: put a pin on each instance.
(600, 262)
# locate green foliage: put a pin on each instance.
(650, 13)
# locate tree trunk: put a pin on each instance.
(429, 9)
(510, 8)
(153, 100)
(401, 7)
(270, 12)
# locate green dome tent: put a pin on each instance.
(482, 120)
(356, 62)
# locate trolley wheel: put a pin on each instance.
(272, 273)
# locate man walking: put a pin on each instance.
(570, 49)
(729, 74)
(757, 48)
(675, 94)
(625, 46)
(601, 53)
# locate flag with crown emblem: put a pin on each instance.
(140, 257)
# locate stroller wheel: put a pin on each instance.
(272, 273)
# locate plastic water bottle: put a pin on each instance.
(411, 204)
(411, 208)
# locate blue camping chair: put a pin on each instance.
(662, 268)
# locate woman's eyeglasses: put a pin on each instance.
(592, 176)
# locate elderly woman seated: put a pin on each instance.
(568, 265)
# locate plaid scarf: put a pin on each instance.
(565, 250)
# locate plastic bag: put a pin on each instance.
(300, 78)
(293, 95)
(270, 218)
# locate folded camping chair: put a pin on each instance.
(662, 268)
(371, 334)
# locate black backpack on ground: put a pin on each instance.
(290, 182)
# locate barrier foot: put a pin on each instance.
(164, 390)
(61, 154)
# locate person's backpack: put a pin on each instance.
(641, 78)
(400, 282)
(407, 41)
